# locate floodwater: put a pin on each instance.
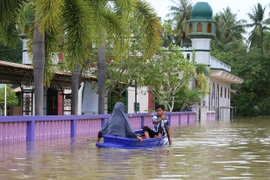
(239, 149)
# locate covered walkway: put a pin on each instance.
(22, 76)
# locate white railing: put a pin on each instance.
(215, 63)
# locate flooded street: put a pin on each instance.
(239, 149)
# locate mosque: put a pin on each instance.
(200, 28)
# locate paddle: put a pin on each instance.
(168, 135)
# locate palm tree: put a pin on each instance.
(71, 18)
(229, 30)
(45, 14)
(143, 14)
(109, 22)
(259, 25)
(181, 12)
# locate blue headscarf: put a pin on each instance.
(118, 123)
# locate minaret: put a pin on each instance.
(201, 29)
(25, 56)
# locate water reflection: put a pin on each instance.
(236, 150)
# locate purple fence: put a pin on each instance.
(30, 128)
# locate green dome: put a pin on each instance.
(201, 10)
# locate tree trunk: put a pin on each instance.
(39, 63)
(101, 77)
(74, 90)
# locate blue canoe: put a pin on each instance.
(131, 143)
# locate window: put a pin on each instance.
(209, 28)
(199, 27)
(225, 92)
(190, 28)
(188, 56)
(221, 91)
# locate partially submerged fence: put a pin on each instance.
(31, 128)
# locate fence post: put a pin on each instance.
(30, 131)
(73, 127)
(179, 118)
(142, 121)
(188, 118)
(103, 120)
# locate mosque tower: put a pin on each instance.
(201, 29)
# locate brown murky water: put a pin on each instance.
(235, 150)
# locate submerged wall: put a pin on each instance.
(33, 128)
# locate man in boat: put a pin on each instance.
(161, 125)
(118, 124)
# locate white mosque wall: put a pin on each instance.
(215, 63)
(201, 43)
(142, 99)
(219, 99)
(89, 99)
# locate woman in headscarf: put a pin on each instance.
(118, 124)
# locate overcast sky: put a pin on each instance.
(241, 7)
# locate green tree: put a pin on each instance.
(47, 18)
(259, 25)
(168, 33)
(186, 97)
(229, 31)
(181, 12)
(11, 97)
(142, 25)
(11, 54)
(169, 72)
(55, 22)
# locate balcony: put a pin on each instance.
(215, 63)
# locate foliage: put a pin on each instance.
(180, 12)
(229, 31)
(114, 97)
(10, 54)
(254, 68)
(168, 33)
(11, 97)
(186, 97)
(168, 72)
(259, 25)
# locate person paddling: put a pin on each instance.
(161, 125)
(118, 124)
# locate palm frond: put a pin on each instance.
(117, 31)
(78, 31)
(9, 13)
(49, 13)
(150, 27)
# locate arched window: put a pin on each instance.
(190, 28)
(199, 27)
(217, 96)
(188, 56)
(209, 28)
(220, 91)
(213, 95)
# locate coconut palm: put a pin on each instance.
(180, 12)
(259, 25)
(46, 18)
(71, 18)
(148, 37)
(229, 30)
